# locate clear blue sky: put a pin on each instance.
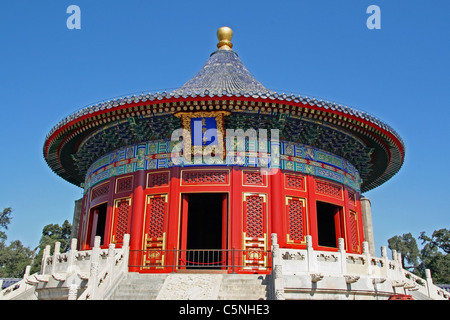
(399, 73)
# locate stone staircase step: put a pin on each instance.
(232, 287)
(139, 287)
(243, 287)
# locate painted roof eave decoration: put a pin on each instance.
(160, 104)
(165, 96)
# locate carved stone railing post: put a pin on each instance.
(384, 262)
(111, 253)
(384, 256)
(398, 269)
(429, 283)
(55, 258)
(45, 256)
(343, 255)
(277, 272)
(393, 267)
(401, 276)
(400, 266)
(313, 262)
(73, 280)
(368, 257)
(383, 252)
(72, 254)
(394, 256)
(94, 269)
(111, 261)
(27, 272)
(126, 251)
(276, 258)
(311, 256)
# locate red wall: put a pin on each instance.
(149, 206)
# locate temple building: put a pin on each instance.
(297, 166)
(222, 177)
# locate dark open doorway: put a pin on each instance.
(97, 223)
(205, 230)
(205, 221)
(328, 224)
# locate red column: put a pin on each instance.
(235, 212)
(224, 221)
(312, 210)
(345, 220)
(236, 208)
(276, 208)
(109, 212)
(137, 219)
(81, 223)
(174, 210)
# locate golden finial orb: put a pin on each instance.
(224, 35)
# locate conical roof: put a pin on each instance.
(223, 74)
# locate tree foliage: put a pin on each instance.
(51, 234)
(5, 220)
(15, 257)
(407, 246)
(54, 233)
(433, 255)
(440, 239)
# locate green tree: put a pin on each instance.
(5, 220)
(440, 239)
(434, 255)
(407, 246)
(13, 257)
(51, 234)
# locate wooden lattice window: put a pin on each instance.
(253, 178)
(296, 220)
(158, 179)
(157, 209)
(295, 182)
(121, 219)
(329, 189)
(351, 197)
(254, 214)
(255, 231)
(205, 177)
(354, 232)
(124, 184)
(100, 191)
(155, 235)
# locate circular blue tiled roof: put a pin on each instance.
(222, 74)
